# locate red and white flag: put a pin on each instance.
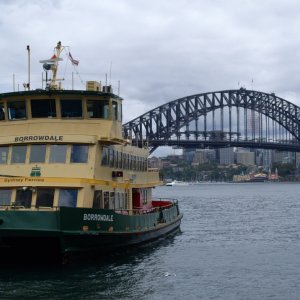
(73, 61)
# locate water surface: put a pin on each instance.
(237, 241)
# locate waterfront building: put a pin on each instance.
(245, 158)
(226, 156)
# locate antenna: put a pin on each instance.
(14, 83)
(110, 73)
(28, 83)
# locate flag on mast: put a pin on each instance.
(73, 61)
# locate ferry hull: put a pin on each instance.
(50, 236)
(105, 242)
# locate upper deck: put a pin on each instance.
(60, 116)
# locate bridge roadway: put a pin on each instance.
(229, 118)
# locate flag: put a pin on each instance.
(73, 61)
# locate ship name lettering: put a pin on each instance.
(98, 217)
(26, 138)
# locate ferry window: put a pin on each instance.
(104, 159)
(106, 200)
(144, 196)
(111, 200)
(117, 201)
(124, 161)
(3, 155)
(79, 153)
(43, 108)
(23, 197)
(45, 197)
(126, 201)
(134, 163)
(71, 108)
(111, 157)
(122, 200)
(58, 153)
(141, 164)
(16, 110)
(98, 109)
(115, 110)
(67, 197)
(129, 162)
(120, 160)
(115, 159)
(5, 196)
(120, 112)
(18, 154)
(2, 112)
(37, 153)
(97, 199)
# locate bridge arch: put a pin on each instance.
(246, 118)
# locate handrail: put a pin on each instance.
(135, 211)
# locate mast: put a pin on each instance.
(52, 64)
(54, 67)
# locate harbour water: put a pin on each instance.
(237, 241)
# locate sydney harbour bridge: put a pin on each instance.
(229, 118)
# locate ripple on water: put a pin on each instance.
(237, 241)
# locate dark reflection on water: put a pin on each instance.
(237, 241)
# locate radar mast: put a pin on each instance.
(52, 64)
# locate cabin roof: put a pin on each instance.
(58, 92)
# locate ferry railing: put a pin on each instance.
(164, 204)
(159, 205)
(14, 206)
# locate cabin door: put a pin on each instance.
(136, 198)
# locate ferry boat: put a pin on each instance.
(69, 181)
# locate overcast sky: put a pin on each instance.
(159, 50)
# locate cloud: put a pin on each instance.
(160, 51)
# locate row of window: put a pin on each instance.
(110, 200)
(44, 197)
(46, 108)
(117, 159)
(58, 153)
(66, 197)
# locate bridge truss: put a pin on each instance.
(229, 118)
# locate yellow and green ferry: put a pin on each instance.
(69, 181)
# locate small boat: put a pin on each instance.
(175, 182)
(69, 181)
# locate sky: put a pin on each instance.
(158, 50)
